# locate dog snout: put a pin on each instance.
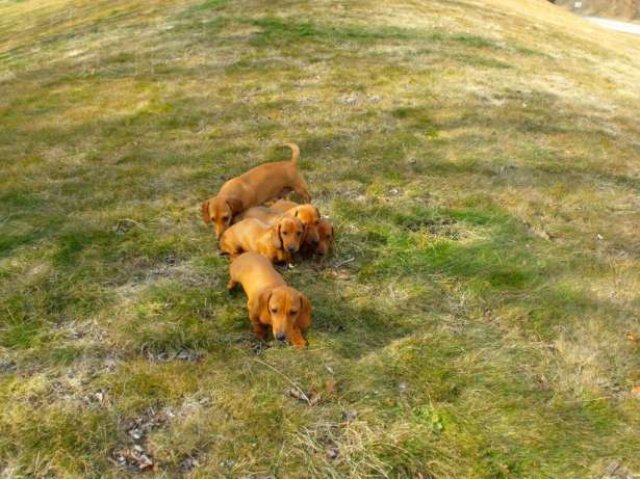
(291, 248)
(281, 337)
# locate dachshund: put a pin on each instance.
(307, 214)
(277, 242)
(326, 240)
(262, 183)
(320, 237)
(283, 205)
(264, 214)
(270, 301)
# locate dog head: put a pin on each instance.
(309, 216)
(326, 237)
(284, 308)
(288, 234)
(220, 211)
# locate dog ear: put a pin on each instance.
(277, 237)
(307, 230)
(304, 317)
(263, 306)
(235, 205)
(205, 211)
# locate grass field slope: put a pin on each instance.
(479, 318)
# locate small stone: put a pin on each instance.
(188, 463)
(227, 463)
(350, 416)
(7, 366)
(162, 356)
(144, 462)
(184, 355)
(333, 453)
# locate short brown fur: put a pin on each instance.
(277, 242)
(262, 183)
(270, 301)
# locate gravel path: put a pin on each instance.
(626, 27)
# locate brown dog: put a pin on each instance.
(264, 214)
(307, 214)
(254, 187)
(283, 205)
(269, 300)
(277, 242)
(320, 236)
(326, 239)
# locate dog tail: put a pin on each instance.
(295, 152)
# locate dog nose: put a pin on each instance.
(315, 242)
(291, 249)
(281, 337)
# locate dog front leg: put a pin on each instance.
(296, 338)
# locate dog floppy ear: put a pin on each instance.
(304, 317)
(259, 307)
(205, 211)
(263, 306)
(277, 237)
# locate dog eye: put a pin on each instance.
(274, 310)
(298, 233)
(293, 312)
(285, 233)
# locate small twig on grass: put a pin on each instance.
(304, 395)
(130, 220)
(5, 219)
(344, 262)
(587, 400)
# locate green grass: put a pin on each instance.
(479, 315)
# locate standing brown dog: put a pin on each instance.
(254, 187)
(270, 301)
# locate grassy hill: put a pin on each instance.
(479, 317)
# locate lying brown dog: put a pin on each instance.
(264, 214)
(307, 214)
(320, 236)
(277, 242)
(270, 301)
(283, 205)
(262, 183)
